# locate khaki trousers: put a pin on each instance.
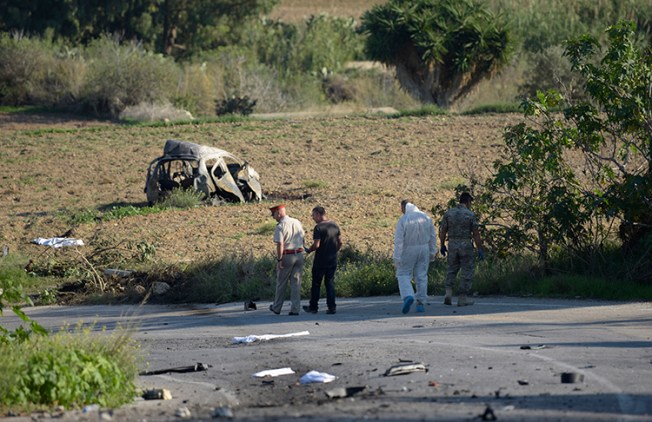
(291, 272)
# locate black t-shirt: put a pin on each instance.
(327, 232)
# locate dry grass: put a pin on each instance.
(367, 163)
(298, 10)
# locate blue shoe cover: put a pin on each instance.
(407, 304)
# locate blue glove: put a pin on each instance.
(443, 250)
(480, 254)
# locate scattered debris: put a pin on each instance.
(183, 412)
(434, 384)
(340, 393)
(58, 242)
(179, 369)
(523, 382)
(405, 368)
(112, 272)
(250, 306)
(534, 347)
(274, 372)
(157, 394)
(315, 377)
(571, 377)
(265, 337)
(488, 415)
(222, 412)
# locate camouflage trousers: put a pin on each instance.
(460, 257)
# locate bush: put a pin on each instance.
(22, 63)
(235, 105)
(122, 75)
(70, 370)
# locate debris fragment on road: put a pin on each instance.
(571, 377)
(157, 394)
(316, 377)
(405, 368)
(265, 337)
(534, 347)
(179, 369)
(488, 414)
(340, 393)
(273, 372)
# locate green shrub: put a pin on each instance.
(182, 199)
(70, 370)
(12, 280)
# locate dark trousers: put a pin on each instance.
(328, 275)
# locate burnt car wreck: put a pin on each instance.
(217, 174)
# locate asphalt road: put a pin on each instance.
(476, 364)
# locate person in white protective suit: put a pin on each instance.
(415, 246)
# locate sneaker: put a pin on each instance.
(272, 309)
(420, 308)
(330, 311)
(407, 304)
(293, 313)
(308, 309)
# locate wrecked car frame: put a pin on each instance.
(217, 174)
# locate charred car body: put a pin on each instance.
(218, 174)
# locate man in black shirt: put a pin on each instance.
(326, 243)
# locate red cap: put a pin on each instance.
(276, 208)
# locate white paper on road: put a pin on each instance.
(274, 372)
(58, 242)
(314, 376)
(265, 337)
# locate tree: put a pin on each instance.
(173, 27)
(565, 178)
(441, 48)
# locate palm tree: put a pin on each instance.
(441, 48)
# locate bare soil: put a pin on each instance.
(358, 167)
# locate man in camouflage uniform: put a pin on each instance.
(461, 227)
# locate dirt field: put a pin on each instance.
(359, 168)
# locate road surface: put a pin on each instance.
(477, 361)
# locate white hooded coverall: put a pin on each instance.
(415, 245)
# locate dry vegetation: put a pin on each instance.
(358, 168)
(297, 10)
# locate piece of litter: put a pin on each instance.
(314, 376)
(405, 368)
(265, 337)
(274, 372)
(571, 377)
(183, 412)
(179, 369)
(157, 394)
(58, 242)
(534, 347)
(523, 382)
(340, 393)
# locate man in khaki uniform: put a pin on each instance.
(289, 239)
(461, 227)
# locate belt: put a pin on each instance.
(292, 251)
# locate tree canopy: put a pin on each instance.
(441, 48)
(173, 27)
